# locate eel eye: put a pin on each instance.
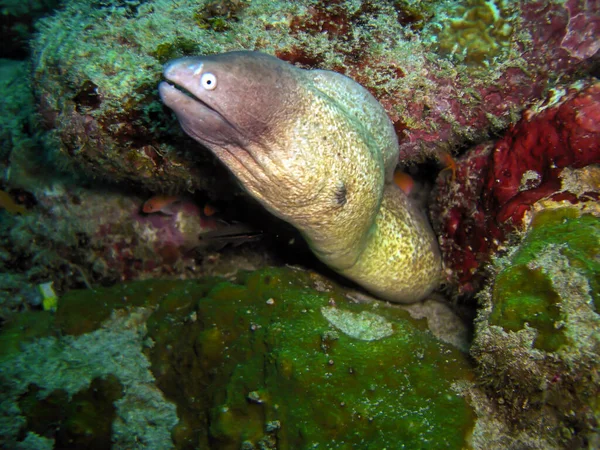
(208, 81)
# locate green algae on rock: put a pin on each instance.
(83, 421)
(537, 341)
(529, 290)
(254, 363)
(479, 33)
(101, 373)
(257, 361)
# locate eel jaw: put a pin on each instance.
(198, 119)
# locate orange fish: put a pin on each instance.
(448, 161)
(162, 203)
(7, 203)
(209, 210)
(404, 181)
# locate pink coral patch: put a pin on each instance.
(496, 184)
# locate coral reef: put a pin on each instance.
(479, 32)
(58, 226)
(96, 70)
(281, 357)
(18, 134)
(80, 383)
(536, 344)
(568, 35)
(78, 237)
(217, 14)
(551, 153)
(262, 361)
(82, 421)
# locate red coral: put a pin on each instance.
(497, 183)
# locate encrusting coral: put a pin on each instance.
(96, 71)
(536, 342)
(552, 152)
(262, 361)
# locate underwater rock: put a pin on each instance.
(77, 237)
(96, 68)
(82, 421)
(58, 226)
(15, 110)
(553, 152)
(265, 360)
(81, 392)
(536, 341)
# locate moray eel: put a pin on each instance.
(317, 150)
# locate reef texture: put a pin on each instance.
(78, 237)
(537, 341)
(262, 361)
(553, 152)
(58, 227)
(281, 358)
(446, 72)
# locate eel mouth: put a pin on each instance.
(197, 118)
(172, 93)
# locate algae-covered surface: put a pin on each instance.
(528, 290)
(537, 342)
(447, 72)
(260, 361)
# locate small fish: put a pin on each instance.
(448, 162)
(7, 203)
(209, 210)
(165, 204)
(236, 234)
(404, 181)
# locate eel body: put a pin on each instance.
(317, 150)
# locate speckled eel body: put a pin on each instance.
(317, 150)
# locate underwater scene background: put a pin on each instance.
(290, 260)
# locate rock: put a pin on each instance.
(263, 360)
(536, 340)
